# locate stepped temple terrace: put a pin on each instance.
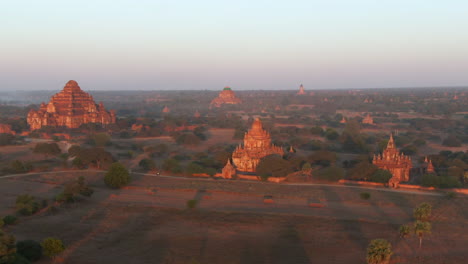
(226, 96)
(70, 108)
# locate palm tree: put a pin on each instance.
(404, 231)
(421, 228)
(379, 251)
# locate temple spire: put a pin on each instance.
(391, 142)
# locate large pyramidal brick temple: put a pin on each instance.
(70, 108)
(226, 96)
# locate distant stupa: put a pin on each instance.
(301, 90)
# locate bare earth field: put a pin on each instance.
(148, 222)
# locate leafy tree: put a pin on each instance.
(451, 141)
(191, 204)
(6, 139)
(117, 176)
(423, 212)
(322, 157)
(331, 134)
(7, 248)
(318, 131)
(29, 249)
(51, 246)
(47, 149)
(273, 165)
(409, 150)
(100, 139)
(171, 165)
(188, 139)
(194, 168)
(74, 150)
(73, 189)
(380, 175)
(379, 251)
(158, 150)
(306, 168)
(332, 173)
(365, 195)
(351, 138)
(420, 229)
(26, 204)
(10, 220)
(97, 157)
(18, 166)
(362, 171)
(419, 142)
(147, 164)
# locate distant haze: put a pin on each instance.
(245, 44)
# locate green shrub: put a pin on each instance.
(29, 249)
(26, 204)
(7, 248)
(52, 210)
(73, 189)
(451, 195)
(432, 180)
(381, 176)
(10, 220)
(365, 195)
(332, 173)
(191, 204)
(379, 251)
(51, 246)
(117, 176)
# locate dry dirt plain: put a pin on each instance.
(148, 222)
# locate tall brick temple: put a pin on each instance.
(70, 108)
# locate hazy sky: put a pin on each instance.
(246, 44)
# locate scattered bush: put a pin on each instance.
(51, 247)
(117, 176)
(26, 205)
(73, 189)
(452, 141)
(29, 249)
(379, 251)
(7, 248)
(147, 164)
(172, 165)
(451, 195)
(10, 220)
(332, 173)
(365, 195)
(191, 204)
(47, 149)
(432, 180)
(382, 176)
